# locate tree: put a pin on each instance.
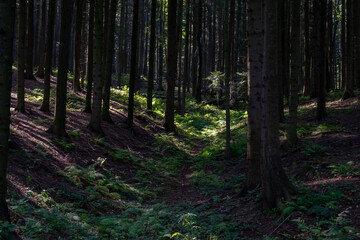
(349, 80)
(295, 71)
(171, 67)
(307, 59)
(7, 21)
(58, 125)
(90, 60)
(78, 39)
(134, 64)
(30, 40)
(186, 58)
(255, 63)
(95, 121)
(152, 55)
(108, 64)
(275, 183)
(41, 40)
(49, 51)
(121, 43)
(20, 106)
(198, 85)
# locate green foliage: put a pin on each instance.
(345, 170)
(313, 150)
(323, 128)
(66, 146)
(74, 133)
(5, 229)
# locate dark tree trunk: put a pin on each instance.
(20, 106)
(307, 58)
(255, 63)
(7, 21)
(58, 126)
(108, 64)
(95, 121)
(121, 43)
(349, 80)
(171, 66)
(90, 61)
(152, 56)
(186, 58)
(30, 41)
(198, 86)
(161, 49)
(41, 40)
(49, 51)
(78, 40)
(134, 63)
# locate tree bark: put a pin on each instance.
(78, 41)
(30, 41)
(171, 66)
(90, 61)
(58, 126)
(108, 64)
(121, 43)
(152, 56)
(45, 107)
(95, 121)
(41, 41)
(20, 106)
(295, 71)
(7, 21)
(134, 63)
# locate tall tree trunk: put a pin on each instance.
(78, 40)
(121, 43)
(109, 58)
(320, 21)
(349, 81)
(41, 40)
(49, 51)
(95, 121)
(171, 66)
(152, 55)
(255, 63)
(20, 106)
(161, 48)
(307, 60)
(58, 126)
(90, 61)
(134, 63)
(198, 86)
(7, 21)
(295, 71)
(275, 183)
(343, 44)
(30, 40)
(186, 58)
(179, 33)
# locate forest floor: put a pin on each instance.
(148, 184)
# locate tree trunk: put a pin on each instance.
(78, 41)
(121, 43)
(90, 61)
(152, 56)
(186, 58)
(275, 183)
(7, 21)
(171, 67)
(49, 51)
(307, 61)
(198, 86)
(349, 80)
(58, 126)
(108, 64)
(41, 40)
(95, 121)
(343, 44)
(255, 64)
(161, 48)
(295, 71)
(20, 106)
(30, 41)
(134, 63)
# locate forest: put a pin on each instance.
(180, 119)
